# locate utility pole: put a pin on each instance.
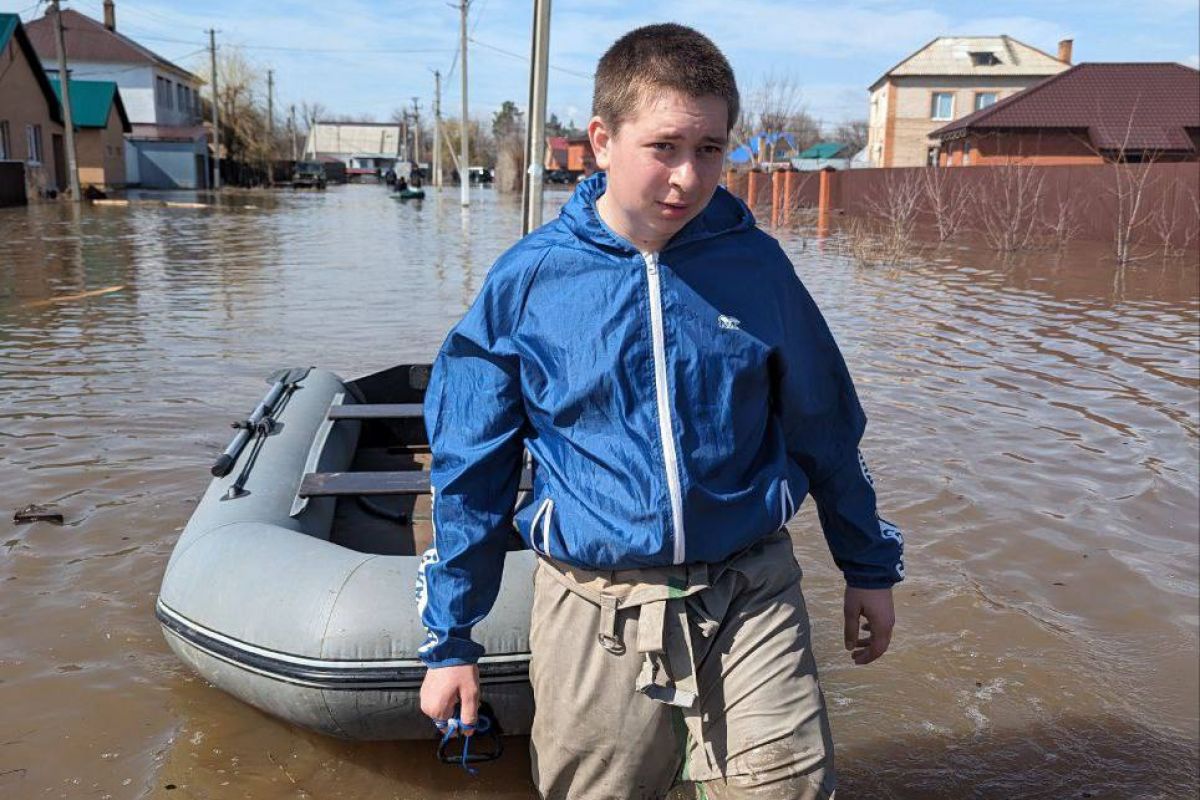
(68, 118)
(535, 137)
(212, 51)
(416, 131)
(292, 128)
(438, 177)
(270, 127)
(464, 172)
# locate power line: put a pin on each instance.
(526, 59)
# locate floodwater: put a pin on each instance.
(1034, 430)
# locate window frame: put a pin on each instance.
(33, 144)
(994, 95)
(933, 105)
(5, 141)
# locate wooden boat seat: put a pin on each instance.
(375, 484)
(377, 411)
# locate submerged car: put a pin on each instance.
(309, 174)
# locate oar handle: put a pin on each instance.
(225, 461)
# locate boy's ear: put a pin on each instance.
(600, 138)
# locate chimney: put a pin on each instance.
(1064, 50)
(110, 15)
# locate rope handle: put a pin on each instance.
(453, 727)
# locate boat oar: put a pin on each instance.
(246, 427)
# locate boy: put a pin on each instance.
(679, 393)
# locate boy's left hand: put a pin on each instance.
(872, 640)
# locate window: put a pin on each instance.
(33, 141)
(5, 143)
(984, 58)
(966, 153)
(931, 157)
(984, 99)
(942, 106)
(180, 98)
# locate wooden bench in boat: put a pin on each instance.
(375, 484)
(377, 411)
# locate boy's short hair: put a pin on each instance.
(665, 56)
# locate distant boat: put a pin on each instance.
(410, 194)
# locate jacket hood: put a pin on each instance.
(725, 213)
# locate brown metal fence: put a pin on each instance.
(1160, 201)
(12, 183)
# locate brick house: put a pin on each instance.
(1090, 114)
(945, 80)
(167, 147)
(100, 127)
(581, 161)
(32, 162)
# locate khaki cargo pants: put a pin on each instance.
(700, 673)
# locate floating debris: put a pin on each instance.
(69, 297)
(36, 513)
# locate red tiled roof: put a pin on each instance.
(1130, 105)
(87, 39)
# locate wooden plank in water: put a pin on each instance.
(377, 411)
(368, 484)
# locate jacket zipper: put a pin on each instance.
(665, 426)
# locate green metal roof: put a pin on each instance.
(91, 101)
(823, 150)
(10, 28)
(8, 24)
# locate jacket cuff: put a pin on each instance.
(872, 581)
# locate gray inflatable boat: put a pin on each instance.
(293, 585)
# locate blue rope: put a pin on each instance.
(450, 728)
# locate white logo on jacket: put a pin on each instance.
(729, 323)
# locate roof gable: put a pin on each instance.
(10, 29)
(91, 102)
(952, 55)
(87, 39)
(1133, 105)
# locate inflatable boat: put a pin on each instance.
(410, 194)
(292, 587)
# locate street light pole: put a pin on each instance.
(464, 161)
(535, 141)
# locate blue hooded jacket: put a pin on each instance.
(677, 406)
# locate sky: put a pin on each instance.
(370, 57)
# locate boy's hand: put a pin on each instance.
(445, 686)
(876, 606)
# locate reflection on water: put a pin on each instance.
(1034, 427)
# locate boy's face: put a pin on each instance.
(663, 165)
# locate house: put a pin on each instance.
(945, 80)
(556, 153)
(580, 158)
(32, 162)
(100, 126)
(832, 155)
(367, 149)
(167, 147)
(1090, 114)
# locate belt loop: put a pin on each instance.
(608, 626)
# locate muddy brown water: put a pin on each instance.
(1034, 430)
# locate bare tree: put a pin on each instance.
(947, 199)
(774, 107)
(1176, 220)
(1008, 206)
(897, 206)
(852, 133)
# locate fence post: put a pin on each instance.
(752, 189)
(776, 201)
(823, 197)
(788, 189)
(729, 173)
